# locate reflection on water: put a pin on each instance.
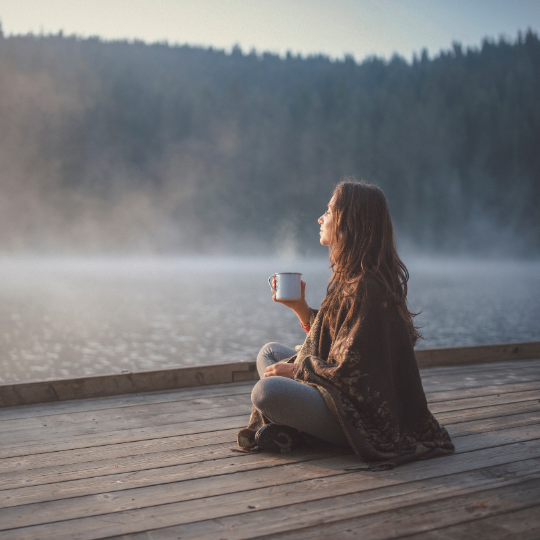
(69, 317)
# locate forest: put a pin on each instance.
(128, 147)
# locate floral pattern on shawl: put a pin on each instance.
(366, 370)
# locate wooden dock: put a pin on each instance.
(161, 465)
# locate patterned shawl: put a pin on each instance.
(366, 370)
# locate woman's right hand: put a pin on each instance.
(300, 307)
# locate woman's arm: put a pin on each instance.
(303, 312)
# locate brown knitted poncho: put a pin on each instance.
(366, 370)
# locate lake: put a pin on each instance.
(63, 317)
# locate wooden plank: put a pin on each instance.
(159, 475)
(520, 524)
(455, 382)
(28, 435)
(455, 417)
(155, 413)
(152, 450)
(72, 436)
(451, 395)
(21, 468)
(35, 437)
(124, 383)
(531, 366)
(309, 502)
(124, 401)
(115, 451)
(158, 414)
(118, 465)
(254, 481)
(478, 441)
(480, 368)
(118, 437)
(478, 354)
(21, 465)
(178, 410)
(484, 401)
(393, 523)
(110, 403)
(105, 475)
(495, 424)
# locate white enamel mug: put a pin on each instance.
(288, 286)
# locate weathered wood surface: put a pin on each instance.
(54, 390)
(520, 524)
(162, 466)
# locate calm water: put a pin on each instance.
(68, 317)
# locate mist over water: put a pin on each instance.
(65, 317)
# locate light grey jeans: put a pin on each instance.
(289, 402)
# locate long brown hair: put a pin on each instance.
(363, 245)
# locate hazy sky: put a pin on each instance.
(333, 27)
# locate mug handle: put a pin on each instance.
(270, 283)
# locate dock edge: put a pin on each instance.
(53, 390)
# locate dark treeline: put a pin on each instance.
(127, 146)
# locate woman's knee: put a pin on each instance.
(269, 346)
(267, 350)
(267, 356)
(265, 393)
(275, 351)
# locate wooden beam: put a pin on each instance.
(51, 390)
(25, 393)
(477, 354)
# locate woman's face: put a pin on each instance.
(326, 221)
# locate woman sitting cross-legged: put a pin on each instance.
(355, 381)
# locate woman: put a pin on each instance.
(355, 380)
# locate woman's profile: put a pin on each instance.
(355, 381)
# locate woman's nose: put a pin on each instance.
(320, 221)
